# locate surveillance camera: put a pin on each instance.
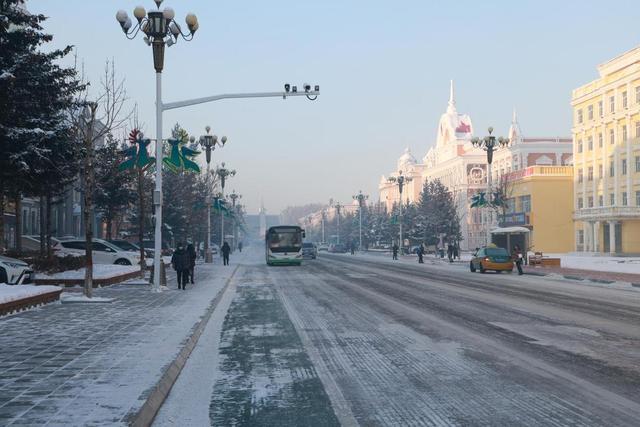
(287, 87)
(307, 87)
(294, 89)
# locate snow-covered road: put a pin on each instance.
(400, 344)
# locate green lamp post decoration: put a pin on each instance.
(180, 156)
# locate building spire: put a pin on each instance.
(515, 117)
(452, 100)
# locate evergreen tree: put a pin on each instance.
(114, 190)
(436, 214)
(35, 93)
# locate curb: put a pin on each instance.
(149, 409)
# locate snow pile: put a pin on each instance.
(599, 263)
(100, 271)
(71, 298)
(10, 293)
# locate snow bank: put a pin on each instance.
(100, 271)
(71, 298)
(10, 293)
(599, 263)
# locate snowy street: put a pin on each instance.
(406, 344)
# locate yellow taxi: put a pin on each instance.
(493, 258)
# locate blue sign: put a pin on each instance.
(511, 219)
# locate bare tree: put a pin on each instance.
(502, 193)
(96, 115)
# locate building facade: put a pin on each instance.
(462, 168)
(540, 199)
(606, 151)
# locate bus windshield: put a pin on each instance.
(285, 241)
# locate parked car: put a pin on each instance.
(15, 272)
(125, 245)
(151, 246)
(491, 257)
(103, 252)
(323, 247)
(337, 248)
(309, 251)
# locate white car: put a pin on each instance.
(103, 252)
(15, 272)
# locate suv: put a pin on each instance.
(125, 245)
(15, 272)
(103, 252)
(309, 250)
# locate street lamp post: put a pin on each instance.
(233, 196)
(400, 180)
(489, 144)
(323, 214)
(337, 207)
(162, 30)
(361, 198)
(223, 173)
(209, 143)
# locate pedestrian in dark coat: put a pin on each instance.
(180, 263)
(456, 251)
(226, 249)
(450, 252)
(395, 251)
(420, 252)
(191, 251)
(518, 258)
(240, 246)
(353, 248)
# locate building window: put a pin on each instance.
(612, 104)
(637, 129)
(590, 143)
(601, 200)
(612, 168)
(624, 198)
(590, 201)
(624, 99)
(590, 112)
(579, 115)
(579, 175)
(612, 199)
(580, 203)
(624, 133)
(637, 163)
(581, 237)
(600, 139)
(637, 198)
(25, 223)
(590, 173)
(601, 109)
(579, 146)
(600, 171)
(525, 203)
(612, 137)
(624, 166)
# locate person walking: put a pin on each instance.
(226, 249)
(352, 246)
(456, 251)
(394, 249)
(450, 252)
(180, 263)
(240, 246)
(517, 257)
(420, 253)
(191, 251)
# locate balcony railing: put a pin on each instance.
(607, 213)
(540, 170)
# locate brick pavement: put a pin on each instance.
(93, 364)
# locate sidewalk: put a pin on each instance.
(94, 364)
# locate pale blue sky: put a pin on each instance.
(383, 67)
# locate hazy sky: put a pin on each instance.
(383, 67)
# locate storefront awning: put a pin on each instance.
(510, 230)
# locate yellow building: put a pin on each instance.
(606, 158)
(540, 199)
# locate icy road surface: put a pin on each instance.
(398, 344)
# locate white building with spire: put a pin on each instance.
(462, 168)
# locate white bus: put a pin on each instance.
(284, 245)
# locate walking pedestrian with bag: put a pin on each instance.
(180, 263)
(395, 251)
(226, 249)
(420, 253)
(518, 258)
(191, 251)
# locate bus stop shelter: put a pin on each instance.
(508, 237)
